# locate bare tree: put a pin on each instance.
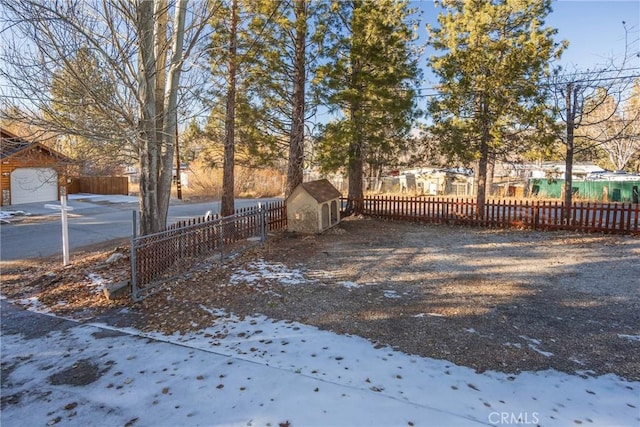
(578, 96)
(141, 48)
(616, 128)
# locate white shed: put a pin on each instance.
(313, 207)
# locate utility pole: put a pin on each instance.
(568, 174)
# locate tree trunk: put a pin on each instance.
(355, 165)
(491, 167)
(158, 89)
(568, 171)
(160, 51)
(481, 179)
(295, 171)
(228, 192)
(356, 192)
(148, 146)
(170, 124)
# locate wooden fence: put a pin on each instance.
(98, 185)
(622, 218)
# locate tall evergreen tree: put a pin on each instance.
(228, 183)
(273, 54)
(233, 121)
(368, 79)
(492, 56)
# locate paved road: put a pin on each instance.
(89, 223)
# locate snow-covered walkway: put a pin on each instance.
(260, 372)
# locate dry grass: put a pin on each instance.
(206, 183)
(73, 291)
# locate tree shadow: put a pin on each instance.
(489, 299)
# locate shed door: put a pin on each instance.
(30, 185)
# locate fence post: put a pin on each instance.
(134, 275)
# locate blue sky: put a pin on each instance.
(595, 31)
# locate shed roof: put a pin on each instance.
(321, 190)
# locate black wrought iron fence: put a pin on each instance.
(154, 256)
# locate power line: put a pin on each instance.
(542, 85)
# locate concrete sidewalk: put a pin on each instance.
(253, 370)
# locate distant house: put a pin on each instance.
(435, 182)
(29, 171)
(313, 207)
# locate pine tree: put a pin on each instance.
(492, 57)
(239, 128)
(274, 49)
(368, 80)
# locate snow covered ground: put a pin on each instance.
(257, 371)
(6, 216)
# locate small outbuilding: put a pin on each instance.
(313, 207)
(29, 171)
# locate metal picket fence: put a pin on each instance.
(155, 257)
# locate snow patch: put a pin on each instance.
(512, 344)
(33, 304)
(97, 283)
(350, 285)
(629, 337)
(7, 216)
(390, 293)
(261, 270)
(256, 370)
(533, 344)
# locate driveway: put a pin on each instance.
(94, 219)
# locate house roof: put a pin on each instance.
(321, 190)
(12, 144)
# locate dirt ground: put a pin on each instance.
(506, 300)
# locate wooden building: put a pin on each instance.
(313, 207)
(30, 171)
